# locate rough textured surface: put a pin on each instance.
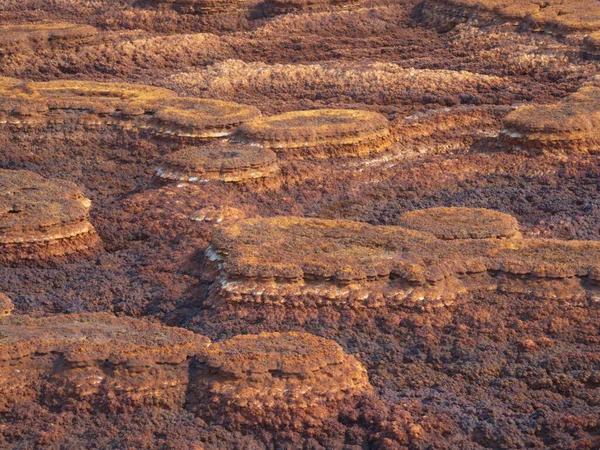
(461, 223)
(201, 119)
(292, 261)
(320, 134)
(511, 361)
(224, 161)
(15, 38)
(375, 83)
(278, 380)
(41, 218)
(94, 361)
(556, 15)
(100, 104)
(569, 126)
(289, 6)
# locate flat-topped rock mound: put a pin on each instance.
(274, 7)
(98, 104)
(290, 260)
(276, 380)
(367, 83)
(461, 223)
(569, 126)
(94, 359)
(224, 161)
(195, 118)
(573, 16)
(15, 38)
(42, 218)
(321, 133)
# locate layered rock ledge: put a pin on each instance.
(461, 223)
(94, 361)
(42, 218)
(274, 7)
(558, 16)
(223, 161)
(569, 126)
(300, 262)
(324, 133)
(59, 104)
(19, 38)
(278, 380)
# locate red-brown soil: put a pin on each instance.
(327, 302)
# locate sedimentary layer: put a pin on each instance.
(574, 16)
(295, 261)
(42, 218)
(568, 126)
(322, 133)
(95, 361)
(276, 380)
(223, 161)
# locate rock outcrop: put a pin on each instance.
(461, 223)
(193, 118)
(294, 261)
(223, 161)
(274, 7)
(23, 38)
(59, 104)
(325, 133)
(275, 380)
(558, 16)
(364, 83)
(94, 361)
(42, 218)
(569, 126)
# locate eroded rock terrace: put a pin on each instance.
(279, 380)
(41, 218)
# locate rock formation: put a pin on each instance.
(94, 360)
(201, 118)
(275, 380)
(98, 104)
(224, 161)
(367, 83)
(20, 38)
(461, 223)
(274, 7)
(295, 261)
(322, 133)
(574, 16)
(41, 218)
(569, 126)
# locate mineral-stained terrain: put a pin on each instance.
(299, 224)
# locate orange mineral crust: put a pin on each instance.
(19, 38)
(294, 261)
(94, 360)
(224, 161)
(461, 223)
(573, 16)
(565, 127)
(290, 6)
(276, 380)
(320, 134)
(63, 103)
(42, 218)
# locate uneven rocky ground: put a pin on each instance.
(415, 261)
